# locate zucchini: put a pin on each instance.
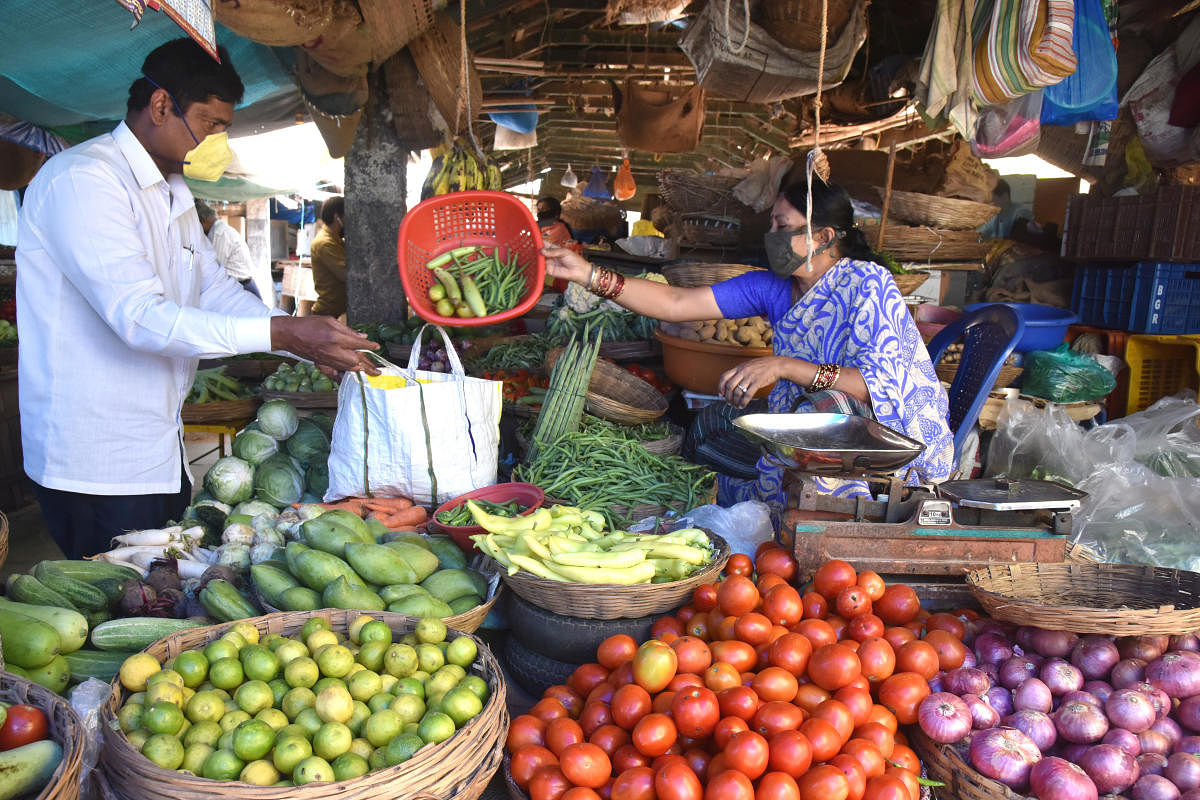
(28, 589)
(225, 603)
(84, 596)
(71, 626)
(135, 633)
(27, 641)
(101, 664)
(89, 571)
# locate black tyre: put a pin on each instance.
(534, 672)
(569, 639)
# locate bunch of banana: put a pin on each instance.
(457, 168)
(570, 545)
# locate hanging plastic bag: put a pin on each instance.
(1064, 376)
(597, 185)
(568, 179)
(1012, 129)
(624, 186)
(1090, 93)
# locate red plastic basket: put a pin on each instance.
(463, 219)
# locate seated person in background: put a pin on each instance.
(1001, 225)
(843, 342)
(554, 230)
(232, 251)
(329, 259)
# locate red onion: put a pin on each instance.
(992, 671)
(1131, 710)
(1070, 751)
(1053, 643)
(1176, 673)
(1127, 672)
(1015, 670)
(1188, 641)
(992, 648)
(1024, 638)
(967, 680)
(1081, 723)
(1152, 763)
(1056, 779)
(1183, 770)
(983, 716)
(1004, 754)
(1190, 794)
(1036, 725)
(1188, 715)
(937, 683)
(1080, 696)
(1095, 656)
(1147, 648)
(1189, 744)
(1170, 729)
(1061, 677)
(1034, 695)
(1154, 742)
(1158, 698)
(1123, 739)
(1102, 690)
(1154, 787)
(1111, 768)
(969, 659)
(944, 717)
(1000, 699)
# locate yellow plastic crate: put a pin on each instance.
(1161, 366)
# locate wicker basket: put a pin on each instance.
(618, 396)
(458, 768)
(220, 411)
(924, 244)
(690, 192)
(65, 728)
(702, 273)
(609, 601)
(1007, 376)
(438, 58)
(3, 547)
(467, 622)
(940, 212)
(1139, 600)
(667, 446)
(943, 763)
(304, 399)
(910, 282)
(797, 23)
(708, 230)
(254, 369)
(628, 351)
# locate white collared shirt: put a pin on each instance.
(120, 294)
(232, 251)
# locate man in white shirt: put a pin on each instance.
(232, 251)
(121, 295)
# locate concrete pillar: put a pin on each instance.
(258, 238)
(375, 204)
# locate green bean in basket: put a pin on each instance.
(461, 515)
(473, 282)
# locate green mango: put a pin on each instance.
(450, 555)
(271, 581)
(421, 606)
(299, 598)
(292, 553)
(317, 569)
(399, 591)
(352, 521)
(423, 562)
(327, 535)
(342, 594)
(412, 537)
(381, 564)
(377, 528)
(465, 603)
(449, 584)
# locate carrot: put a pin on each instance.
(389, 503)
(412, 516)
(355, 505)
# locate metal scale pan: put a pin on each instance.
(840, 445)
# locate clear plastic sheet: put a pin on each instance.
(1045, 443)
(744, 525)
(87, 699)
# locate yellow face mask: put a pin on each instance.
(207, 161)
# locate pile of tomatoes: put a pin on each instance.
(517, 383)
(756, 690)
(651, 377)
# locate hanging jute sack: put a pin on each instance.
(280, 23)
(390, 25)
(410, 103)
(659, 119)
(438, 54)
(334, 102)
(343, 47)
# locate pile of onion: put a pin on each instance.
(1066, 717)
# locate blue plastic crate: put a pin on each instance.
(1149, 297)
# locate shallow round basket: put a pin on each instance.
(923, 243)
(944, 763)
(621, 351)
(610, 601)
(701, 273)
(942, 212)
(1138, 600)
(1007, 376)
(910, 282)
(525, 494)
(220, 411)
(304, 399)
(467, 622)
(3, 543)
(458, 768)
(667, 446)
(65, 728)
(617, 395)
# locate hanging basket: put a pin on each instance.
(278, 23)
(438, 55)
(797, 23)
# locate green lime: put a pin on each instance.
(313, 624)
(440, 683)
(226, 673)
(273, 717)
(371, 654)
(358, 716)
(401, 660)
(259, 773)
(461, 705)
(235, 639)
(165, 675)
(259, 663)
(130, 717)
(194, 756)
(290, 751)
(436, 727)
(410, 686)
(410, 707)
(335, 704)
(335, 661)
(163, 717)
(382, 726)
(364, 685)
(357, 625)
(401, 748)
(387, 683)
(164, 750)
(318, 639)
(409, 639)
(246, 630)
(313, 769)
(349, 765)
(437, 293)
(138, 737)
(380, 701)
(253, 739)
(232, 719)
(222, 765)
(221, 648)
(292, 730)
(206, 732)
(378, 759)
(462, 651)
(279, 688)
(375, 631)
(253, 696)
(430, 630)
(429, 657)
(310, 721)
(326, 683)
(296, 700)
(301, 671)
(477, 685)
(192, 666)
(361, 747)
(331, 740)
(272, 640)
(164, 692)
(290, 649)
(226, 741)
(445, 308)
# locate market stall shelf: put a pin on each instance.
(219, 411)
(304, 399)
(65, 728)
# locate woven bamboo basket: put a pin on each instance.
(940, 212)
(609, 601)
(689, 192)
(797, 23)
(924, 244)
(467, 622)
(1007, 376)
(910, 282)
(943, 763)
(65, 728)
(220, 411)
(458, 768)
(618, 396)
(667, 446)
(1109, 599)
(438, 58)
(627, 351)
(304, 399)
(702, 273)
(708, 230)
(3, 546)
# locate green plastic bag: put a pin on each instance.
(1062, 375)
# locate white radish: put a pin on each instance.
(191, 569)
(147, 537)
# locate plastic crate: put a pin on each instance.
(1153, 297)
(1112, 343)
(1160, 366)
(1163, 226)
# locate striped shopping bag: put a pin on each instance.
(1021, 45)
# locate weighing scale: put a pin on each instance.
(942, 530)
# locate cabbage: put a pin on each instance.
(237, 533)
(254, 446)
(316, 478)
(254, 508)
(278, 484)
(309, 443)
(324, 422)
(278, 419)
(234, 555)
(270, 536)
(263, 551)
(264, 522)
(230, 480)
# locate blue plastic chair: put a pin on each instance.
(988, 335)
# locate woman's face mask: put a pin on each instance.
(782, 259)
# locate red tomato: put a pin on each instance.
(838, 715)
(748, 753)
(610, 738)
(729, 785)
(738, 701)
(697, 759)
(858, 701)
(548, 708)
(616, 650)
(629, 704)
(886, 787)
(587, 677)
(833, 666)
(676, 781)
(548, 783)
(524, 729)
(580, 793)
(904, 756)
(818, 632)
(722, 675)
(902, 693)
(809, 696)
(683, 680)
(864, 626)
(528, 760)
(775, 683)
(898, 636)
(585, 764)
(567, 696)
(884, 717)
(737, 595)
(878, 735)
(692, 654)
(698, 626)
(766, 583)
(946, 622)
(696, 711)
(868, 755)
(791, 652)
(833, 576)
(852, 601)
(898, 605)
(722, 631)
(704, 597)
(909, 779)
(876, 659)
(790, 752)
(654, 665)
(872, 583)
(636, 783)
(825, 782)
(654, 734)
(777, 786)
(726, 729)
(601, 694)
(670, 757)
(782, 605)
(738, 654)
(664, 626)
(854, 773)
(775, 716)
(776, 561)
(814, 605)
(753, 628)
(594, 717)
(739, 564)
(951, 652)
(627, 757)
(919, 657)
(661, 704)
(562, 733)
(685, 613)
(824, 738)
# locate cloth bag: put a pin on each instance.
(659, 119)
(1021, 45)
(426, 435)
